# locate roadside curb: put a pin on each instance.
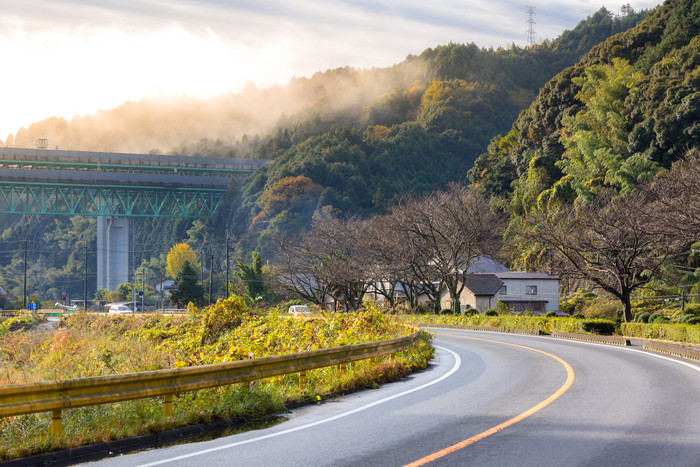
(612, 340)
(673, 350)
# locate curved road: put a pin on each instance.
(488, 399)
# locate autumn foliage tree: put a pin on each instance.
(177, 256)
(284, 192)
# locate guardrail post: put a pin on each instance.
(168, 405)
(302, 380)
(342, 368)
(246, 386)
(57, 423)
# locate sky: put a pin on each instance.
(71, 58)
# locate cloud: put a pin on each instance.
(74, 56)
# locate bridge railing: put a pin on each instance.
(56, 396)
(107, 159)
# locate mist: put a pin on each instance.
(160, 125)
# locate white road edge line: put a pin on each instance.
(608, 346)
(644, 352)
(458, 363)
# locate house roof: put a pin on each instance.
(485, 265)
(482, 284)
(525, 275)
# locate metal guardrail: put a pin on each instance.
(55, 396)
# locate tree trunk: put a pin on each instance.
(626, 307)
(454, 301)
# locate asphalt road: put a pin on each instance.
(488, 399)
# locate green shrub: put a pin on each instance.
(641, 317)
(567, 307)
(598, 327)
(422, 309)
(491, 312)
(602, 310)
(665, 331)
(470, 311)
(446, 311)
(18, 323)
(689, 319)
(658, 318)
(551, 314)
(502, 308)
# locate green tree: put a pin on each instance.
(188, 289)
(252, 275)
(596, 138)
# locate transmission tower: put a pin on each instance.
(531, 35)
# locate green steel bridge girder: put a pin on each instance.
(91, 200)
(125, 169)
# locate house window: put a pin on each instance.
(503, 290)
(531, 290)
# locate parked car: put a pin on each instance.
(120, 309)
(299, 310)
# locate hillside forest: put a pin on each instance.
(590, 114)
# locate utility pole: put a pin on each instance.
(227, 267)
(161, 289)
(201, 270)
(25, 275)
(85, 282)
(143, 290)
(211, 275)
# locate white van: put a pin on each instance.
(299, 310)
(119, 309)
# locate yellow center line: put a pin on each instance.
(570, 376)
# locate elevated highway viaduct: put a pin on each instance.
(115, 187)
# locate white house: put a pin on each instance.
(487, 282)
(529, 291)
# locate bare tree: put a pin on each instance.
(299, 267)
(341, 244)
(446, 230)
(674, 200)
(607, 242)
(392, 263)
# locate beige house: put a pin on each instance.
(479, 292)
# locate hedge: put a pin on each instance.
(664, 331)
(536, 323)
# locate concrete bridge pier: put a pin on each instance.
(115, 246)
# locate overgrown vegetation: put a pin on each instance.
(93, 345)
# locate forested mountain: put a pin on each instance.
(408, 141)
(629, 108)
(346, 141)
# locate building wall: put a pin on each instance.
(516, 289)
(465, 298)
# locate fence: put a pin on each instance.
(55, 396)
